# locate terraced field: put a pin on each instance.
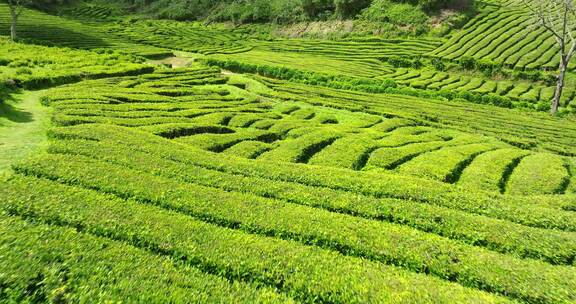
(518, 91)
(42, 28)
(504, 33)
(206, 110)
(195, 164)
(527, 130)
(360, 58)
(34, 67)
(320, 174)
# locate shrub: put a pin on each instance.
(437, 64)
(253, 256)
(23, 71)
(267, 217)
(399, 62)
(20, 63)
(542, 106)
(467, 63)
(401, 14)
(349, 8)
(402, 62)
(30, 249)
(417, 63)
(539, 173)
(488, 68)
(317, 8)
(333, 81)
(405, 14)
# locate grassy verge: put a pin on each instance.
(23, 125)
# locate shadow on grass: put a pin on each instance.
(10, 112)
(61, 36)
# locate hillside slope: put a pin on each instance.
(185, 162)
(325, 18)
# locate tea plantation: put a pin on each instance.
(162, 161)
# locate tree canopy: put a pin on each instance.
(280, 11)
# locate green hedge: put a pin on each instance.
(333, 81)
(306, 273)
(540, 173)
(301, 149)
(479, 230)
(357, 84)
(46, 263)
(446, 164)
(490, 171)
(380, 185)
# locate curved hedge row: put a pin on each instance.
(303, 272)
(364, 85)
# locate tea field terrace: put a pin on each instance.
(368, 60)
(199, 184)
(135, 164)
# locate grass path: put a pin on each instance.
(179, 60)
(23, 125)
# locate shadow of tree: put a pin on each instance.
(13, 114)
(53, 35)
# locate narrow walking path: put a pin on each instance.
(23, 125)
(180, 59)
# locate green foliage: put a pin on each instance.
(38, 4)
(488, 68)
(446, 164)
(177, 10)
(490, 171)
(248, 149)
(400, 13)
(219, 143)
(395, 186)
(438, 64)
(467, 63)
(254, 11)
(498, 35)
(317, 8)
(397, 14)
(276, 218)
(301, 149)
(44, 262)
(249, 257)
(405, 14)
(439, 4)
(423, 216)
(539, 173)
(326, 163)
(349, 8)
(35, 67)
(39, 28)
(334, 81)
(400, 62)
(6, 88)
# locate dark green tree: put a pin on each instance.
(349, 8)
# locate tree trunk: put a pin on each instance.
(13, 24)
(559, 87)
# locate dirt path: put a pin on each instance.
(175, 61)
(23, 125)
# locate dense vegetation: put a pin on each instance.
(186, 162)
(284, 11)
(384, 17)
